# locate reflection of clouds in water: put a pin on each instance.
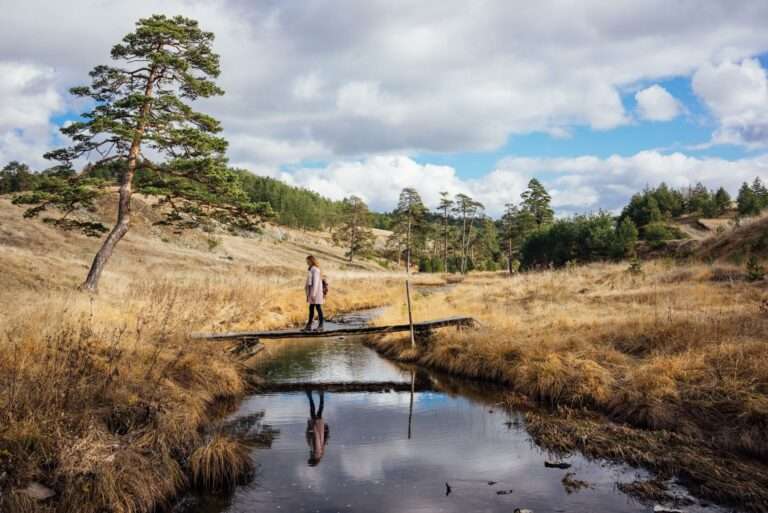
(370, 466)
(312, 477)
(368, 462)
(336, 360)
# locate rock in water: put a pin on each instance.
(522, 510)
(38, 491)
(447, 489)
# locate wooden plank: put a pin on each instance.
(335, 332)
(343, 386)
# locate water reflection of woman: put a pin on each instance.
(317, 430)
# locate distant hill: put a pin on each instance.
(736, 241)
(35, 254)
(721, 238)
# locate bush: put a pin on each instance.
(755, 271)
(579, 239)
(659, 232)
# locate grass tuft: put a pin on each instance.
(220, 464)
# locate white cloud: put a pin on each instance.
(360, 84)
(28, 99)
(365, 78)
(737, 94)
(578, 184)
(366, 100)
(308, 87)
(654, 103)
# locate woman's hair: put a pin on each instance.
(312, 261)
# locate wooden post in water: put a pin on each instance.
(410, 407)
(410, 312)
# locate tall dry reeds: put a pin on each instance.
(674, 348)
(105, 399)
(675, 351)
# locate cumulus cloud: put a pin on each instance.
(655, 103)
(361, 85)
(737, 94)
(28, 99)
(578, 184)
(360, 78)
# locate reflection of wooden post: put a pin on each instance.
(410, 312)
(410, 408)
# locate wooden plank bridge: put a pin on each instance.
(419, 327)
(250, 341)
(345, 386)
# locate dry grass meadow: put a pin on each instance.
(679, 349)
(104, 399)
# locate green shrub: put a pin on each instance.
(755, 270)
(659, 232)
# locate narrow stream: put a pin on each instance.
(395, 451)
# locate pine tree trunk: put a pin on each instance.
(408, 248)
(464, 245)
(445, 242)
(123, 222)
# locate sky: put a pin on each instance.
(596, 99)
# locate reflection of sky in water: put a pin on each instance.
(325, 360)
(371, 466)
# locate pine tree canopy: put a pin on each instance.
(141, 115)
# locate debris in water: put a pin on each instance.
(653, 491)
(518, 510)
(447, 489)
(572, 484)
(663, 509)
(491, 483)
(504, 492)
(557, 464)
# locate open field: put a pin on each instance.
(677, 349)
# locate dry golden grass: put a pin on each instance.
(105, 399)
(674, 348)
(219, 464)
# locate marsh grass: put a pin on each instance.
(675, 349)
(219, 464)
(107, 401)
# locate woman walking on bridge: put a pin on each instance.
(315, 293)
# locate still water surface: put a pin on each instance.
(395, 451)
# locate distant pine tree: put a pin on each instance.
(409, 226)
(761, 192)
(445, 207)
(748, 201)
(354, 230)
(722, 200)
(536, 200)
(467, 210)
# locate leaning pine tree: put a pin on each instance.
(141, 104)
